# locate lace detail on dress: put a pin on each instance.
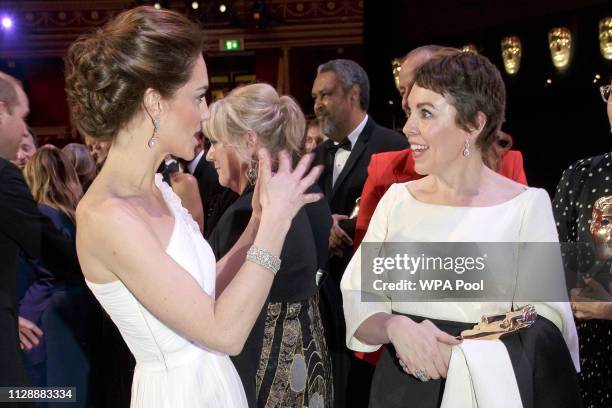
(175, 204)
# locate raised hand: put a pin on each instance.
(282, 194)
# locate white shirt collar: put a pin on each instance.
(194, 163)
(354, 135)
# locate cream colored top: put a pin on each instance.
(400, 217)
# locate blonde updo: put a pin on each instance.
(108, 71)
(278, 121)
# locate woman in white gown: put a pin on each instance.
(454, 113)
(140, 81)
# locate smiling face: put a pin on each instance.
(435, 138)
(183, 114)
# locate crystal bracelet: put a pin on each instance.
(264, 258)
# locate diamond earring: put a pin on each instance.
(466, 148)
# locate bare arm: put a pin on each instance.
(230, 264)
(116, 240)
(108, 240)
(373, 330)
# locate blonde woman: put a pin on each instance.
(285, 360)
(60, 308)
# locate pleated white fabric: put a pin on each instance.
(480, 375)
(170, 370)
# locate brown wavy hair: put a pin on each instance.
(108, 71)
(53, 180)
(472, 84)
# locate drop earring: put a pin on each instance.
(251, 175)
(466, 148)
(153, 138)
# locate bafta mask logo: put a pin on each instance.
(601, 227)
(512, 51)
(605, 37)
(560, 44)
(469, 48)
(396, 66)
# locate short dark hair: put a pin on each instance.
(108, 71)
(473, 84)
(8, 91)
(312, 123)
(350, 73)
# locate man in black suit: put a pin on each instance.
(215, 198)
(22, 228)
(341, 98)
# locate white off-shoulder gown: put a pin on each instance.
(171, 371)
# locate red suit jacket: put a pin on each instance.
(398, 167)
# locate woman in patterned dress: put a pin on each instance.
(581, 185)
(284, 362)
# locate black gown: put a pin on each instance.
(285, 361)
(580, 186)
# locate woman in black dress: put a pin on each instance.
(284, 362)
(581, 185)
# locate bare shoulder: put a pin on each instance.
(105, 223)
(97, 213)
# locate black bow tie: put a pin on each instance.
(345, 144)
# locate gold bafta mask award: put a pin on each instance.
(512, 51)
(605, 37)
(493, 327)
(560, 44)
(396, 66)
(601, 227)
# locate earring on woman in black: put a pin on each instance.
(251, 174)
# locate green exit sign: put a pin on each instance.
(234, 44)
